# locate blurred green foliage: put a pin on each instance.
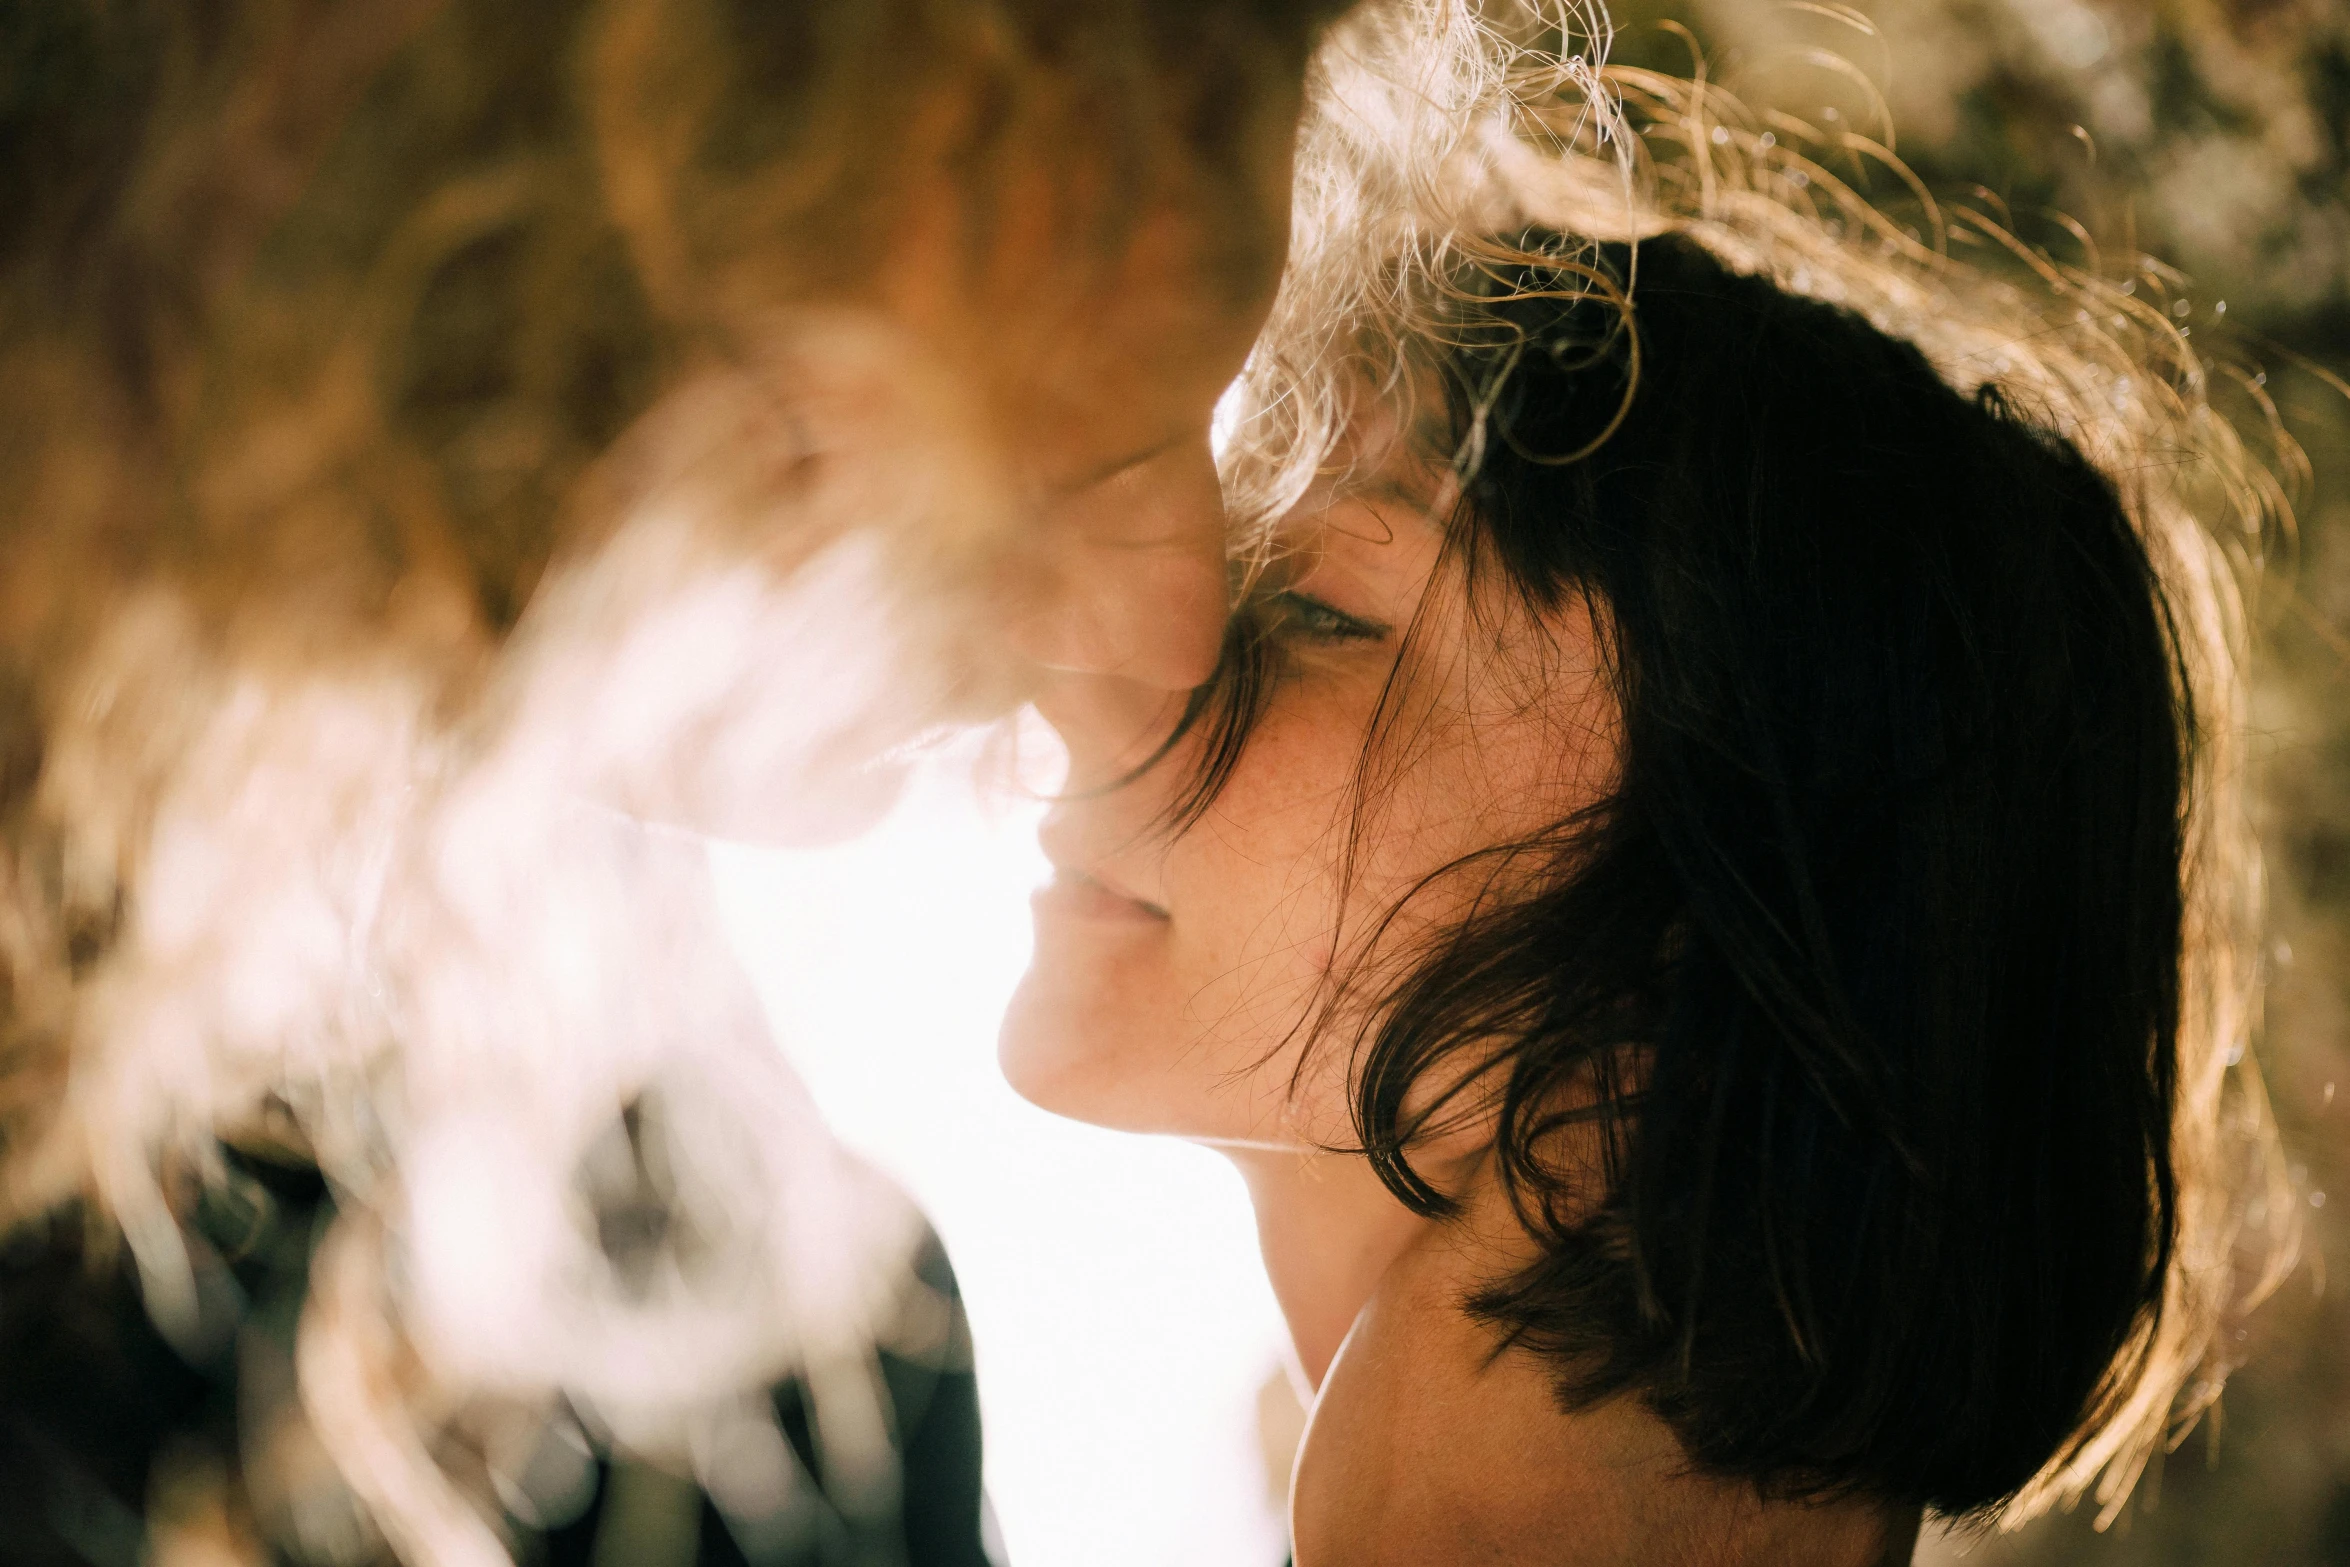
(2214, 137)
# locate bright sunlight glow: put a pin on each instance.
(1123, 1323)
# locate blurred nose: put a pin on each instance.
(1136, 574)
(1110, 725)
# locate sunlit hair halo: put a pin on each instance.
(1505, 155)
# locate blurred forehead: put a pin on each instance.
(1113, 300)
(1124, 105)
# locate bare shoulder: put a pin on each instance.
(1430, 1444)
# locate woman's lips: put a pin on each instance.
(1080, 896)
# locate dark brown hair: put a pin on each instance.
(1868, 968)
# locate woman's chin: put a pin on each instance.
(1051, 1050)
(1101, 1031)
(1071, 1048)
(1074, 1038)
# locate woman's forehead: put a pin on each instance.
(1385, 477)
(1380, 538)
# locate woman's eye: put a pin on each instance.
(1317, 621)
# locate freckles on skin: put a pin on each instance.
(1167, 1025)
(1182, 1029)
(1202, 1032)
(1262, 869)
(1495, 727)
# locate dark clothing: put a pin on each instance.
(94, 1402)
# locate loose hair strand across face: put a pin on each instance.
(1927, 890)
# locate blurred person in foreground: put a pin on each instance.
(1710, 900)
(445, 441)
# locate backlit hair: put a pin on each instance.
(1461, 152)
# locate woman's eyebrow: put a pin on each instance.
(1421, 499)
(1392, 490)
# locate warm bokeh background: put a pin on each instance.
(2214, 136)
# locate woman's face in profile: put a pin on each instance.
(1171, 976)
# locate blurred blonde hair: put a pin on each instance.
(1439, 128)
(324, 327)
(333, 339)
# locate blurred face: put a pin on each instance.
(1171, 977)
(1098, 367)
(1015, 393)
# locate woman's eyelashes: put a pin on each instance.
(1304, 616)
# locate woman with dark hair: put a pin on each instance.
(1691, 904)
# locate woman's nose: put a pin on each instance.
(1135, 575)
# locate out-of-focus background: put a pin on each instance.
(1125, 1336)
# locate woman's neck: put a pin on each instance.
(1328, 1231)
(1428, 1445)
